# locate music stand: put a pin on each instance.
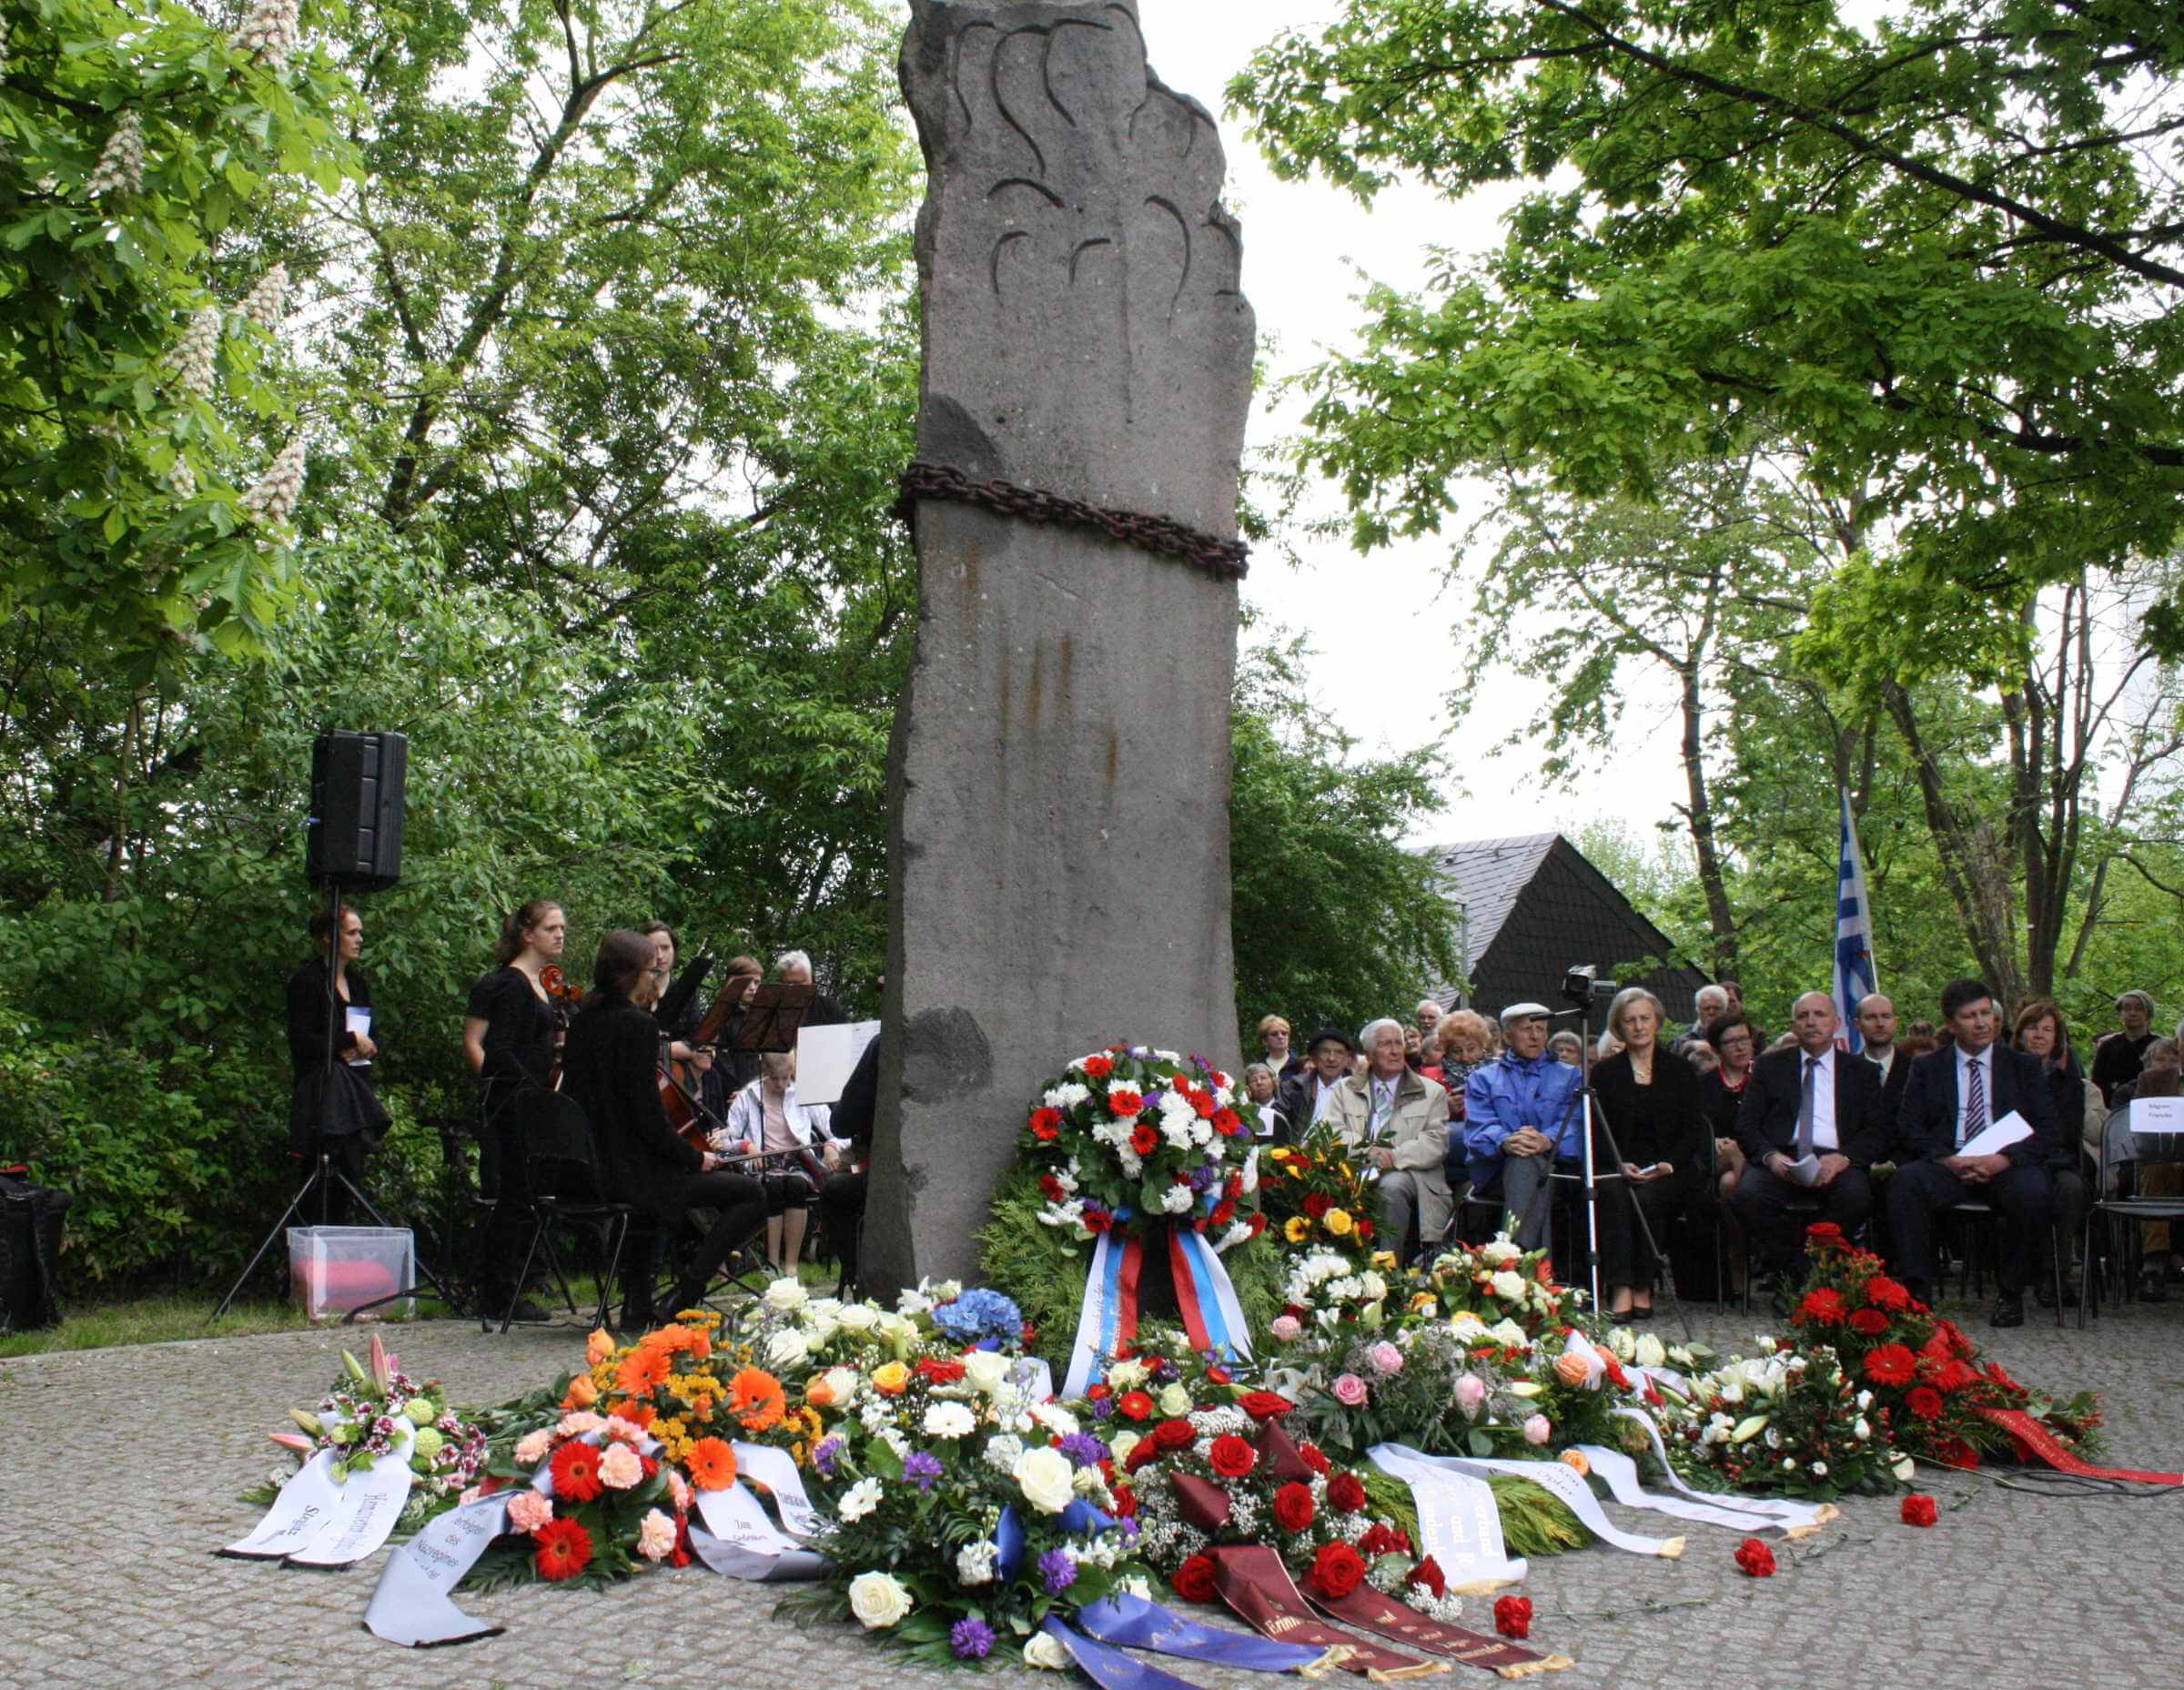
(774, 1016)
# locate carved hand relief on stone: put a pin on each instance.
(1085, 332)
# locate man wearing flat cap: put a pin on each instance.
(1306, 1097)
(1520, 1120)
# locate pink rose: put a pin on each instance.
(1285, 1329)
(533, 1448)
(1471, 1391)
(656, 1536)
(1537, 1429)
(620, 1468)
(527, 1511)
(1386, 1359)
(1349, 1390)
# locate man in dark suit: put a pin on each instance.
(1812, 1101)
(1305, 1098)
(1953, 1094)
(1877, 1037)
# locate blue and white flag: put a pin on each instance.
(1856, 976)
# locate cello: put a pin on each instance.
(677, 1079)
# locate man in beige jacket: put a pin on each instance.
(1399, 1120)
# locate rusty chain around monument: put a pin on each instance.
(1224, 560)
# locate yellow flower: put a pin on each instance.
(1337, 1221)
(1297, 1228)
(891, 1380)
(1384, 1260)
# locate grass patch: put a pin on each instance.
(154, 1321)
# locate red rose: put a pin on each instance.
(1097, 1219)
(1174, 1434)
(1919, 1511)
(1145, 1137)
(1123, 1102)
(1337, 1570)
(1098, 1068)
(1824, 1232)
(1126, 1500)
(1884, 1292)
(1427, 1572)
(1194, 1579)
(1378, 1541)
(1890, 1364)
(1365, 1230)
(1823, 1307)
(1512, 1616)
(1136, 1405)
(1868, 1323)
(1925, 1402)
(1313, 1459)
(1264, 1404)
(1317, 1203)
(1345, 1491)
(1143, 1453)
(1616, 1376)
(1232, 1458)
(1293, 1507)
(1756, 1558)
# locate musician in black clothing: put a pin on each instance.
(611, 1066)
(842, 1198)
(508, 1034)
(344, 1112)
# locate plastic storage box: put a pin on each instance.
(332, 1269)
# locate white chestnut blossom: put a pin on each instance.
(270, 29)
(121, 163)
(268, 302)
(273, 498)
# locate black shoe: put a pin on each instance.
(1645, 1313)
(2152, 1286)
(2009, 1310)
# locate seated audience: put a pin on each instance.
(2118, 1057)
(1304, 1098)
(2041, 1032)
(1400, 1119)
(1649, 1103)
(1521, 1118)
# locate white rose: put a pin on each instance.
(1121, 1444)
(1650, 1351)
(949, 1420)
(1467, 1325)
(859, 1317)
(1499, 1253)
(788, 1349)
(947, 1290)
(1903, 1467)
(1047, 1652)
(1819, 1470)
(784, 1294)
(1174, 1401)
(1374, 1285)
(878, 1601)
(1624, 1346)
(1509, 1287)
(1509, 1335)
(1127, 1375)
(819, 1329)
(985, 1370)
(1045, 1478)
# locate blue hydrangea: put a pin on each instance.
(980, 1313)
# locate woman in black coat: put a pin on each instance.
(341, 1113)
(611, 1066)
(1649, 1097)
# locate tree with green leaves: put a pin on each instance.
(1940, 247)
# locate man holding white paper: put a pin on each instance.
(1977, 1123)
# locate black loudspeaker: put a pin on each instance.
(354, 836)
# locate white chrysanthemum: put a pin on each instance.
(270, 29)
(1176, 1199)
(975, 1563)
(273, 498)
(863, 1497)
(121, 163)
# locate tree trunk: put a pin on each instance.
(1699, 814)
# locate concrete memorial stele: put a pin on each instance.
(1058, 793)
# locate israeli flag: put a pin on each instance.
(1856, 976)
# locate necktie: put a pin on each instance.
(1805, 1109)
(1975, 1102)
(1383, 1105)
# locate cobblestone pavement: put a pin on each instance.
(119, 1469)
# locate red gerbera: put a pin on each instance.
(1868, 1323)
(1194, 1579)
(1232, 1458)
(1228, 1123)
(1345, 1491)
(563, 1549)
(1823, 1307)
(1512, 1616)
(1337, 1570)
(1145, 1137)
(1123, 1103)
(1098, 1068)
(1884, 1292)
(1293, 1507)
(1046, 1125)
(1890, 1364)
(1097, 1219)
(1756, 1558)
(1925, 1402)
(1136, 1405)
(1264, 1404)
(576, 1476)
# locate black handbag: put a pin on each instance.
(30, 1247)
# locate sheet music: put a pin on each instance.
(826, 1055)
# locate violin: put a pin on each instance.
(677, 1079)
(564, 998)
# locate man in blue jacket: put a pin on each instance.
(1521, 1118)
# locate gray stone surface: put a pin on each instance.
(1059, 780)
(118, 1471)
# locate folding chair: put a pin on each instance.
(1980, 1224)
(2136, 1137)
(567, 1188)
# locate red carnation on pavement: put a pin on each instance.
(1123, 1102)
(1136, 1405)
(1176, 1434)
(1264, 1404)
(1823, 1307)
(1345, 1491)
(1232, 1458)
(1337, 1570)
(1427, 1572)
(1756, 1558)
(1891, 1364)
(1919, 1511)
(1925, 1402)
(1098, 1068)
(562, 1548)
(1194, 1579)
(1512, 1616)
(1046, 1125)
(1293, 1507)
(1868, 1323)
(576, 1477)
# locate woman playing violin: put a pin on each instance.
(509, 1036)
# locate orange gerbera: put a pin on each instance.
(711, 1464)
(643, 1370)
(756, 1399)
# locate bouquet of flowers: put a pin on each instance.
(1130, 1135)
(1788, 1419)
(361, 1418)
(963, 1512)
(799, 1335)
(1316, 1196)
(615, 1507)
(1925, 1375)
(1497, 1281)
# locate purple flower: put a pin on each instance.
(1104, 1409)
(1057, 1567)
(823, 1455)
(1083, 1448)
(973, 1640)
(1128, 1528)
(921, 1469)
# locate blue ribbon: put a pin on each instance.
(1135, 1623)
(1081, 1516)
(1008, 1543)
(1111, 1668)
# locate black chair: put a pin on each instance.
(1976, 1224)
(569, 1188)
(2124, 1155)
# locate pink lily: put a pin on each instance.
(382, 1364)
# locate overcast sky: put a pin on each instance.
(1385, 656)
